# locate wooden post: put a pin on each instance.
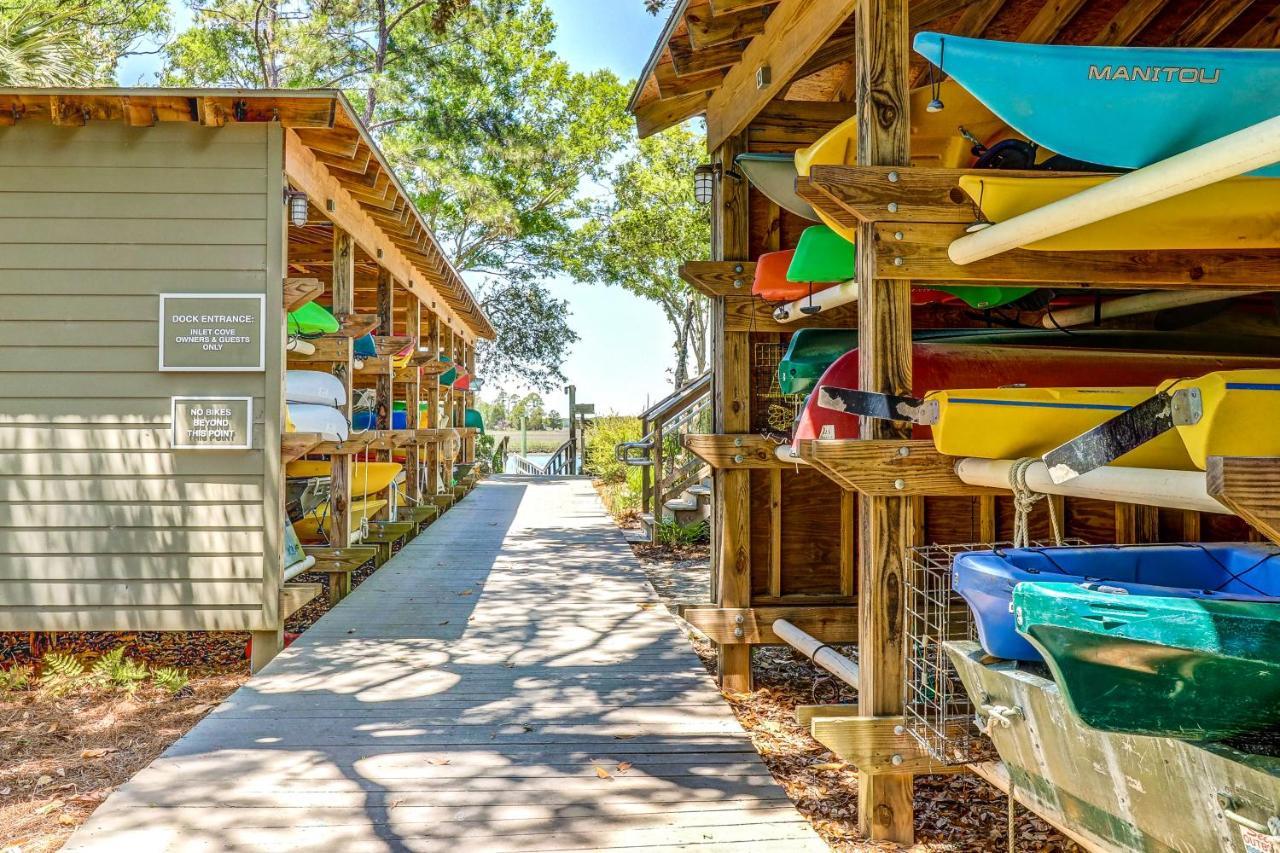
(385, 389)
(433, 408)
(344, 303)
(412, 401)
(731, 517)
(469, 400)
(884, 345)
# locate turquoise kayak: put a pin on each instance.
(1124, 107)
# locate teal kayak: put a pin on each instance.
(1124, 107)
(775, 176)
(472, 418)
(1164, 665)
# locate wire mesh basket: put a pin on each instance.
(779, 411)
(937, 710)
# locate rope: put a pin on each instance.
(1024, 500)
(1011, 828)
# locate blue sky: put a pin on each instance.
(625, 350)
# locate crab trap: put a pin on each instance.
(936, 710)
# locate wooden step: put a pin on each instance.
(295, 596)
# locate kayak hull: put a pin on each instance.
(1185, 668)
(315, 387)
(1240, 409)
(1235, 214)
(314, 526)
(326, 420)
(822, 257)
(1154, 102)
(311, 320)
(1129, 359)
(775, 176)
(986, 579)
(367, 478)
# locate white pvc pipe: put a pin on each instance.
(1234, 154)
(1141, 303)
(832, 297)
(300, 346)
(817, 651)
(299, 567)
(1155, 486)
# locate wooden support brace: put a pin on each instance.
(887, 467)
(876, 745)
(719, 278)
(1249, 487)
(740, 451)
(295, 596)
(755, 624)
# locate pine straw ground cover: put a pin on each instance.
(953, 813)
(62, 752)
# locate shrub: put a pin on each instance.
(62, 674)
(672, 532)
(169, 679)
(15, 678)
(114, 669)
(602, 438)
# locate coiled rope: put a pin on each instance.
(1024, 500)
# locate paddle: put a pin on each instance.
(870, 404)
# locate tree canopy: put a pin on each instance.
(74, 42)
(638, 237)
(493, 134)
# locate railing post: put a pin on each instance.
(659, 472)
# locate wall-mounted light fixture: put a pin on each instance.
(298, 209)
(704, 181)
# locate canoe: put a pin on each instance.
(1125, 107)
(310, 320)
(472, 418)
(1190, 668)
(771, 283)
(986, 579)
(449, 376)
(936, 139)
(775, 176)
(315, 387)
(309, 417)
(463, 383)
(366, 477)
(314, 526)
(1237, 214)
(1087, 357)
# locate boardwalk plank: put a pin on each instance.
(468, 696)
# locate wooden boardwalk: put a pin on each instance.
(470, 696)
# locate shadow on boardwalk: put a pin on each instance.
(509, 681)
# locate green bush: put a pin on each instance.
(672, 532)
(15, 678)
(604, 435)
(169, 679)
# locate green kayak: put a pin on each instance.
(312, 319)
(986, 296)
(474, 419)
(1171, 665)
(822, 256)
(449, 376)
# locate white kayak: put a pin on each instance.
(326, 420)
(313, 386)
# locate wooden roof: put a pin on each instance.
(707, 57)
(324, 123)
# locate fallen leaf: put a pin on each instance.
(829, 765)
(44, 780)
(465, 592)
(624, 766)
(395, 803)
(60, 771)
(439, 761)
(52, 805)
(68, 819)
(53, 727)
(602, 773)
(96, 753)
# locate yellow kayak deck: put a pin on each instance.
(309, 526)
(1242, 213)
(1236, 415)
(367, 478)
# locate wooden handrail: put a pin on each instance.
(668, 406)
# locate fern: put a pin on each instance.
(672, 532)
(170, 679)
(62, 673)
(15, 678)
(114, 669)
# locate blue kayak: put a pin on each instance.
(1125, 107)
(1235, 571)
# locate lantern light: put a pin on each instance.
(299, 211)
(704, 182)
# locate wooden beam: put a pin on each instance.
(657, 116)
(719, 278)
(791, 35)
(1249, 487)
(300, 291)
(885, 809)
(343, 289)
(1050, 20)
(725, 7)
(707, 29)
(887, 467)
(672, 85)
(1128, 21)
(918, 251)
(751, 314)
(1264, 34)
(877, 745)
(723, 624)
(685, 60)
(1208, 22)
(824, 200)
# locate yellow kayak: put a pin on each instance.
(935, 137)
(1238, 413)
(1242, 213)
(1010, 423)
(367, 478)
(308, 527)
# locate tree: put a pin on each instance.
(554, 420)
(638, 238)
(73, 42)
(493, 134)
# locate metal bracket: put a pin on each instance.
(1187, 407)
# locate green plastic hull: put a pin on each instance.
(822, 256)
(312, 319)
(1183, 668)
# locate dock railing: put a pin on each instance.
(563, 461)
(667, 468)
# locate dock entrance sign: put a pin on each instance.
(212, 332)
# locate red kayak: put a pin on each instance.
(941, 366)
